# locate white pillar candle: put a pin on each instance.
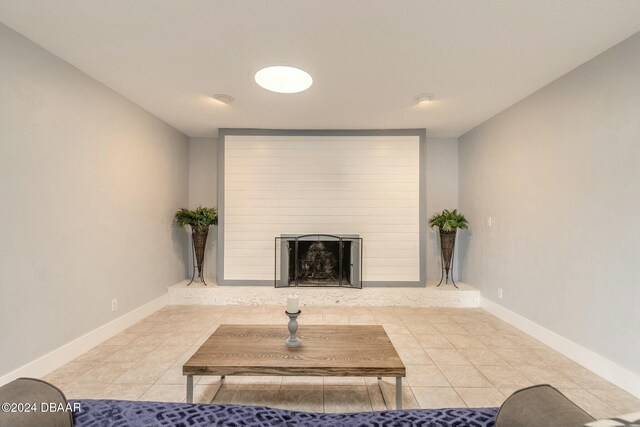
(292, 304)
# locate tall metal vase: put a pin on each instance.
(199, 236)
(447, 246)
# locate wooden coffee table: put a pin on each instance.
(342, 350)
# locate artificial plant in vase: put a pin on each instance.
(448, 223)
(199, 219)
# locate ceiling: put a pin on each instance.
(369, 58)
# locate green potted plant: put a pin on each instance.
(448, 222)
(199, 219)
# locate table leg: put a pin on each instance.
(189, 388)
(398, 392)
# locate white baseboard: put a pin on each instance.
(66, 353)
(611, 371)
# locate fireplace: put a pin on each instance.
(319, 260)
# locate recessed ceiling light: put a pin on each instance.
(283, 79)
(224, 98)
(424, 98)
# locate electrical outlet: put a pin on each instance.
(114, 304)
(489, 221)
(500, 293)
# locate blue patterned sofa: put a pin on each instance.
(536, 406)
(119, 413)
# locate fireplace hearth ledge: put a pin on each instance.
(430, 296)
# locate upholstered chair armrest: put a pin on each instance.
(540, 406)
(29, 402)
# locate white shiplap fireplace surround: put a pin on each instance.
(286, 182)
(349, 182)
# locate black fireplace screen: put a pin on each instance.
(318, 260)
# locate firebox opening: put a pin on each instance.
(320, 263)
(321, 260)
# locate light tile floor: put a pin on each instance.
(454, 358)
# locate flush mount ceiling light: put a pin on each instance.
(283, 79)
(424, 98)
(224, 98)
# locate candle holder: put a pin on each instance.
(293, 340)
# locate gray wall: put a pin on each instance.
(442, 193)
(559, 173)
(442, 190)
(203, 191)
(89, 183)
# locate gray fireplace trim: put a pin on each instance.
(421, 133)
